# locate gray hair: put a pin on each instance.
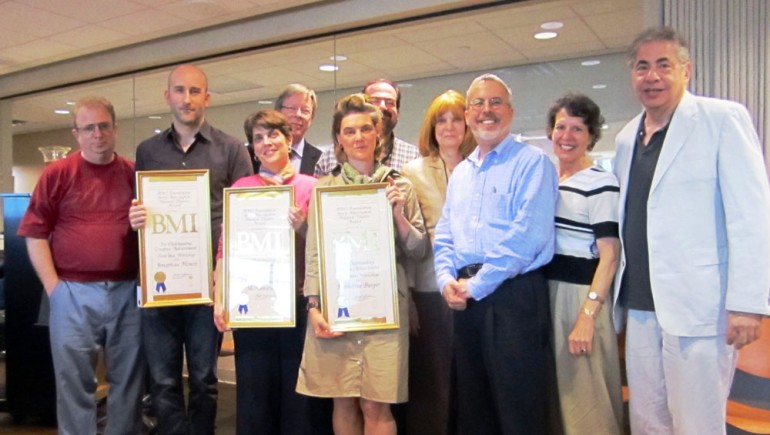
(293, 89)
(661, 33)
(489, 77)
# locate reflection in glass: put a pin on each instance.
(54, 153)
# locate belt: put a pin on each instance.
(468, 271)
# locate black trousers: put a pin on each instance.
(266, 367)
(504, 363)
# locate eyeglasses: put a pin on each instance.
(494, 103)
(379, 101)
(305, 111)
(104, 127)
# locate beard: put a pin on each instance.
(486, 135)
(387, 123)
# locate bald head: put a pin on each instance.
(189, 70)
(187, 95)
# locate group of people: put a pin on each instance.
(514, 275)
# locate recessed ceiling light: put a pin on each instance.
(591, 62)
(600, 86)
(546, 35)
(605, 126)
(155, 117)
(61, 111)
(328, 67)
(265, 102)
(552, 25)
(157, 131)
(405, 85)
(70, 103)
(339, 58)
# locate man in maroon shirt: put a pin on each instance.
(84, 251)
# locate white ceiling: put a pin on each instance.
(45, 31)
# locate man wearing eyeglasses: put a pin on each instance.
(85, 254)
(692, 282)
(298, 103)
(495, 233)
(395, 152)
(174, 333)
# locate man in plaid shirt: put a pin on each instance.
(395, 152)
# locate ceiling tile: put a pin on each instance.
(395, 57)
(87, 10)
(267, 76)
(616, 24)
(410, 71)
(151, 22)
(587, 8)
(492, 60)
(9, 39)
(525, 14)
(522, 38)
(367, 42)
(40, 49)
(226, 85)
(564, 50)
(206, 10)
(90, 37)
(465, 46)
(34, 21)
(439, 30)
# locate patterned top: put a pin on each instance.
(587, 210)
(401, 153)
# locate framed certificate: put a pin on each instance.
(258, 288)
(175, 243)
(357, 257)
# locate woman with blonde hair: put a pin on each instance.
(364, 372)
(444, 142)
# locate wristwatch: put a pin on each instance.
(312, 304)
(593, 296)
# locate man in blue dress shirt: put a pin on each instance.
(495, 233)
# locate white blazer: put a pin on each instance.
(708, 218)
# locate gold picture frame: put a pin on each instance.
(357, 257)
(258, 253)
(175, 243)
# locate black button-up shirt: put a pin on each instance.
(223, 155)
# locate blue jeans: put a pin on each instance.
(168, 334)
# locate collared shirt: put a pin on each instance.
(401, 153)
(295, 154)
(499, 212)
(635, 285)
(223, 155)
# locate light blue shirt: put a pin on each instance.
(498, 212)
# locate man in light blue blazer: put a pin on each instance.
(694, 276)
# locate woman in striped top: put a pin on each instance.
(581, 273)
